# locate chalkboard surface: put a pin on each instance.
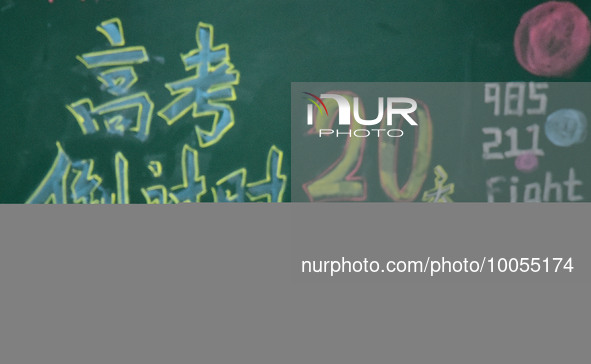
(170, 101)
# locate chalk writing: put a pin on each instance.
(72, 181)
(564, 128)
(513, 100)
(340, 182)
(131, 113)
(272, 188)
(156, 168)
(421, 159)
(75, 181)
(442, 191)
(513, 151)
(548, 191)
(205, 93)
(231, 188)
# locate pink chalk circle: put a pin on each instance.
(527, 162)
(552, 39)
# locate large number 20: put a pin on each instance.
(339, 183)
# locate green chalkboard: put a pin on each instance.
(72, 128)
